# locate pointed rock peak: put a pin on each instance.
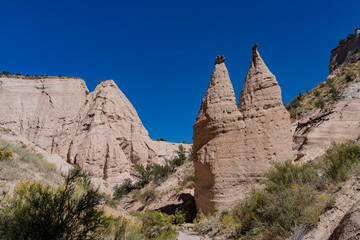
(218, 108)
(107, 83)
(259, 76)
(257, 63)
(220, 87)
(260, 86)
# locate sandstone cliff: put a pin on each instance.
(345, 50)
(337, 119)
(233, 144)
(100, 131)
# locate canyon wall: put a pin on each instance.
(99, 131)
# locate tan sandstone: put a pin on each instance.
(100, 131)
(234, 145)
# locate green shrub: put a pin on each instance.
(188, 179)
(350, 76)
(181, 158)
(320, 104)
(156, 225)
(5, 154)
(316, 93)
(125, 188)
(286, 174)
(160, 173)
(340, 160)
(143, 174)
(69, 211)
(146, 196)
(357, 51)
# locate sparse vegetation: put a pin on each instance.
(320, 103)
(350, 76)
(69, 211)
(145, 196)
(35, 76)
(294, 195)
(342, 41)
(26, 165)
(154, 173)
(5, 154)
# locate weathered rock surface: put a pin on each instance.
(233, 144)
(314, 132)
(267, 123)
(346, 198)
(342, 52)
(100, 131)
(349, 226)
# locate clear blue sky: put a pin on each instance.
(161, 53)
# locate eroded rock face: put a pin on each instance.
(101, 131)
(44, 110)
(342, 52)
(233, 144)
(267, 123)
(349, 226)
(212, 131)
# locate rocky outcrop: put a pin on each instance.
(349, 226)
(99, 131)
(267, 123)
(338, 121)
(213, 139)
(344, 51)
(44, 110)
(233, 145)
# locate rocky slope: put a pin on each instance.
(233, 144)
(344, 50)
(336, 118)
(100, 131)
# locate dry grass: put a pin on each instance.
(25, 165)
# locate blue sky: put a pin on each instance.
(161, 53)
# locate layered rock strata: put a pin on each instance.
(99, 131)
(233, 145)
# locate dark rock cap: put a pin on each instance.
(219, 59)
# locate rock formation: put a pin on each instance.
(344, 51)
(100, 131)
(233, 144)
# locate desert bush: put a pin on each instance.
(316, 93)
(293, 195)
(70, 211)
(320, 104)
(5, 154)
(286, 174)
(188, 180)
(125, 188)
(340, 160)
(143, 174)
(180, 158)
(350, 76)
(146, 196)
(156, 225)
(160, 173)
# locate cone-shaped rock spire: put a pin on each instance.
(233, 146)
(260, 90)
(218, 108)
